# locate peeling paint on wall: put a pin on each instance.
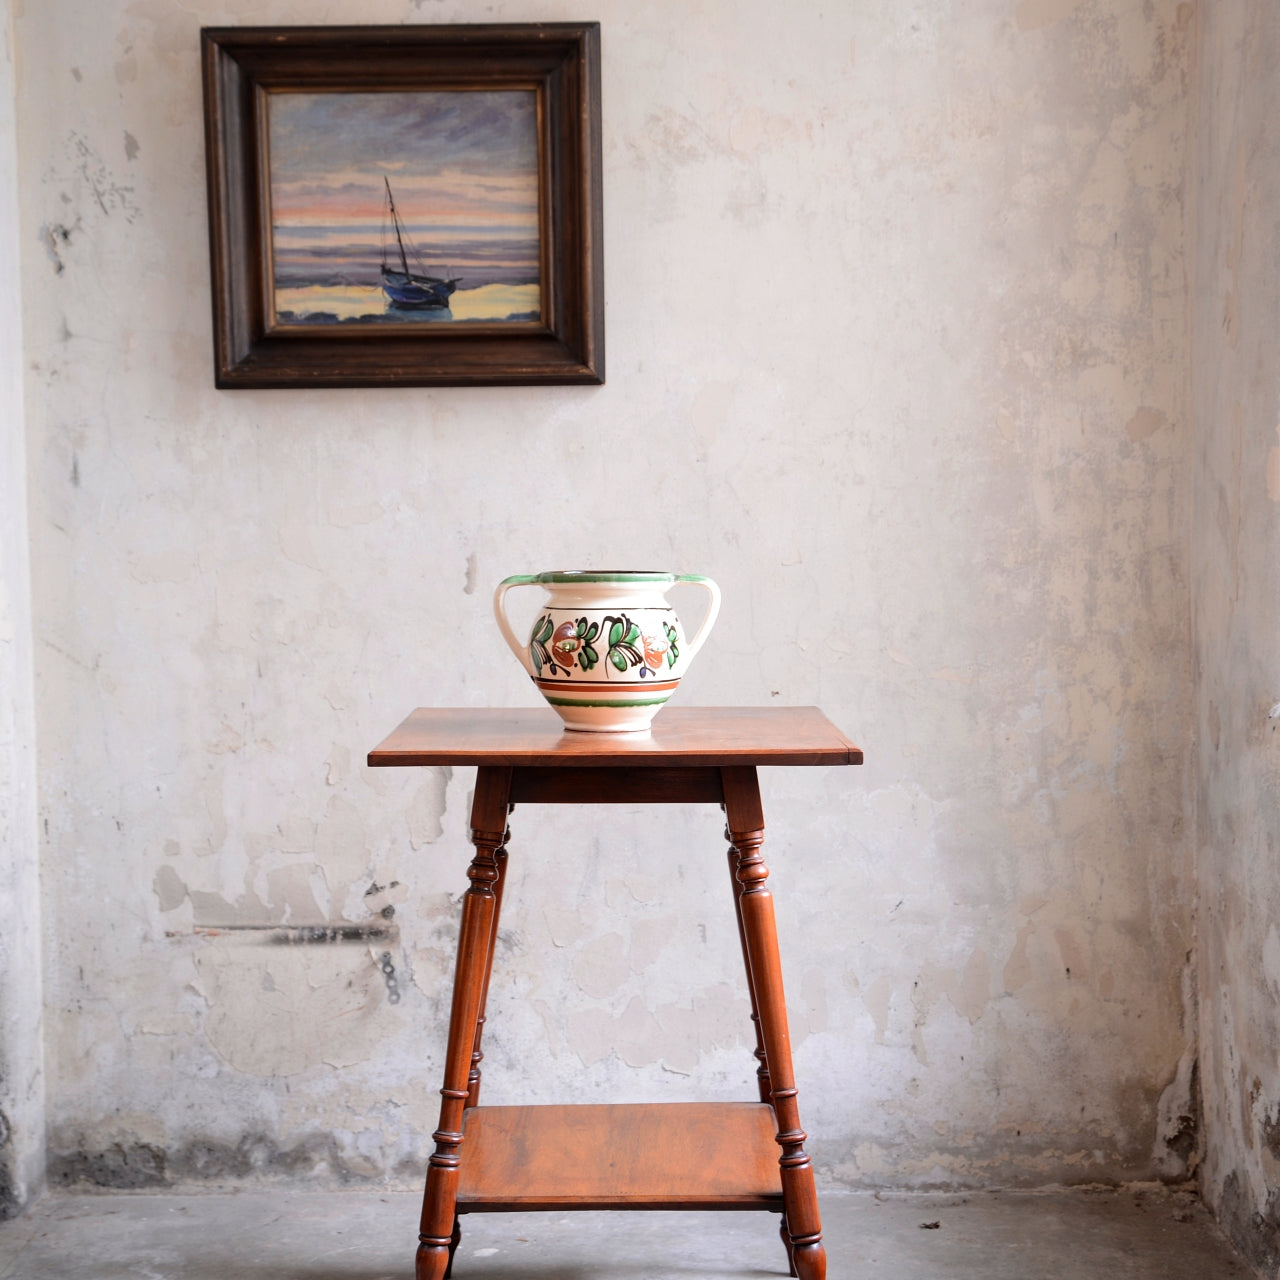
(1032, 15)
(1273, 471)
(1144, 424)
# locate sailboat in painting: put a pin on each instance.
(406, 290)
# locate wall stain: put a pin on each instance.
(110, 196)
(1145, 423)
(54, 238)
(1273, 471)
(141, 1165)
(1184, 1142)
(1270, 1133)
(122, 1167)
(307, 934)
(10, 1205)
(1255, 1233)
(1032, 15)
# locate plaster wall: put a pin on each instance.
(896, 336)
(22, 1119)
(1237, 615)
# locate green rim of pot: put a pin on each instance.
(560, 576)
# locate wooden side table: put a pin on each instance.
(654, 1156)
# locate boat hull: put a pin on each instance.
(416, 293)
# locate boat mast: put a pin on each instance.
(395, 222)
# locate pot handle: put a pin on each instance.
(692, 647)
(521, 651)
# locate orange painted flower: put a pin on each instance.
(655, 651)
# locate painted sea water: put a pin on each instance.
(404, 208)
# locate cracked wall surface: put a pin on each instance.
(1237, 615)
(897, 333)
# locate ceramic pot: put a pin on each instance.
(606, 649)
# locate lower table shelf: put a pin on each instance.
(683, 1155)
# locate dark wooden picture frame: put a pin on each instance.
(254, 347)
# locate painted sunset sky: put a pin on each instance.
(463, 168)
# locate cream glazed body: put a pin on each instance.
(606, 649)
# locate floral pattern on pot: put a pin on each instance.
(561, 650)
(673, 644)
(655, 650)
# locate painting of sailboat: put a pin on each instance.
(404, 207)
(407, 291)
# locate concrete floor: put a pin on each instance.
(1135, 1234)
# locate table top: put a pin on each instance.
(680, 736)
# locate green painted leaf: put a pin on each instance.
(617, 659)
(615, 633)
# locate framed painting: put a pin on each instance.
(410, 205)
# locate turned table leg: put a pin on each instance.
(436, 1239)
(801, 1220)
(477, 1054)
(762, 1069)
